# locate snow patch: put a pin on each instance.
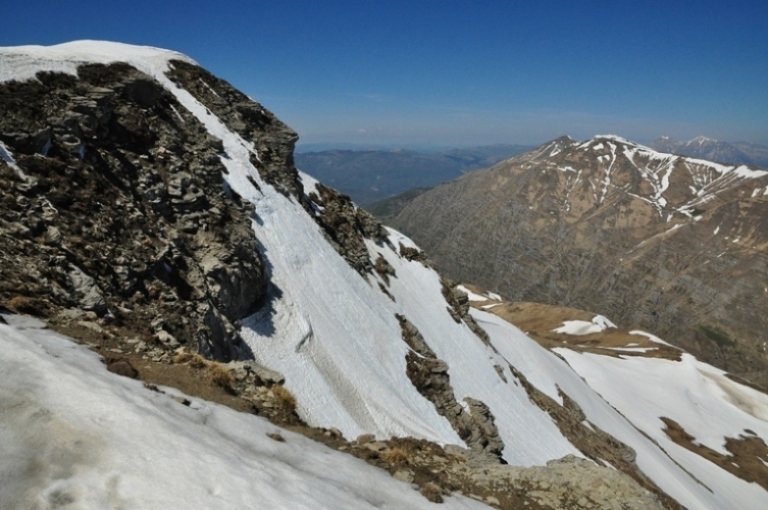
(580, 328)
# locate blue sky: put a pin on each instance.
(455, 73)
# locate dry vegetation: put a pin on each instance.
(214, 371)
(396, 456)
(283, 397)
(748, 459)
(539, 320)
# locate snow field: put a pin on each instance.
(77, 436)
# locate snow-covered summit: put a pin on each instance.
(23, 62)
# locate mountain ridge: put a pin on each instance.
(151, 210)
(596, 226)
(715, 150)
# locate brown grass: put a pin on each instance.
(215, 372)
(219, 374)
(539, 320)
(396, 456)
(22, 304)
(283, 397)
(747, 453)
(190, 358)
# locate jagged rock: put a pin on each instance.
(88, 292)
(122, 367)
(251, 373)
(412, 254)
(383, 268)
(130, 205)
(429, 375)
(338, 217)
(53, 236)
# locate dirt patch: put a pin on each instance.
(749, 453)
(539, 320)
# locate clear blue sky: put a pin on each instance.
(455, 72)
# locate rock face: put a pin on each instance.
(113, 202)
(429, 375)
(674, 246)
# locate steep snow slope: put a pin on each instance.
(708, 406)
(332, 333)
(73, 435)
(626, 398)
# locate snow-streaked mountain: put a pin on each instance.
(740, 153)
(655, 241)
(366, 334)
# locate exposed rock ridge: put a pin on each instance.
(459, 309)
(272, 139)
(122, 212)
(429, 375)
(346, 227)
(344, 224)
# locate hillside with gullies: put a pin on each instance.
(189, 321)
(669, 244)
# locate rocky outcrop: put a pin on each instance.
(272, 140)
(458, 302)
(115, 203)
(474, 422)
(345, 226)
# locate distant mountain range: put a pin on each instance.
(368, 176)
(737, 153)
(673, 245)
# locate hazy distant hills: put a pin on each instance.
(371, 175)
(737, 153)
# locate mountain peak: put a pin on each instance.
(22, 63)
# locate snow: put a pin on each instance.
(325, 328)
(6, 156)
(77, 436)
(479, 297)
(618, 139)
(608, 402)
(309, 183)
(652, 338)
(529, 434)
(335, 337)
(706, 404)
(579, 328)
(21, 63)
(747, 173)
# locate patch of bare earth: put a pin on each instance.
(748, 459)
(539, 322)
